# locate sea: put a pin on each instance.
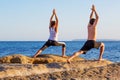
(29, 48)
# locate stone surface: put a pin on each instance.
(54, 67)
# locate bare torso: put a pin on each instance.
(92, 32)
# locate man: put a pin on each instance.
(52, 41)
(91, 40)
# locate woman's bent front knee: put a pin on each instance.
(64, 45)
(102, 45)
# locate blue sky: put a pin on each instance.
(28, 20)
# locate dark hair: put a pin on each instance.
(52, 23)
(92, 20)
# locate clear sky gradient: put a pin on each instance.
(28, 20)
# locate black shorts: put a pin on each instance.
(89, 44)
(52, 43)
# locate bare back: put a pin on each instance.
(92, 32)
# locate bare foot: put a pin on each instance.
(68, 61)
(34, 56)
(64, 56)
(101, 59)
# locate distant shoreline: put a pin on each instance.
(58, 40)
(97, 40)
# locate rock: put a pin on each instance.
(49, 67)
(41, 59)
(16, 58)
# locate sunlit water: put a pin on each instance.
(29, 48)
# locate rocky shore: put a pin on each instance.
(54, 67)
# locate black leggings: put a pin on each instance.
(52, 43)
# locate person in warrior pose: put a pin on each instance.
(91, 40)
(52, 41)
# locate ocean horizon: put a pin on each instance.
(29, 48)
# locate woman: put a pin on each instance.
(52, 41)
